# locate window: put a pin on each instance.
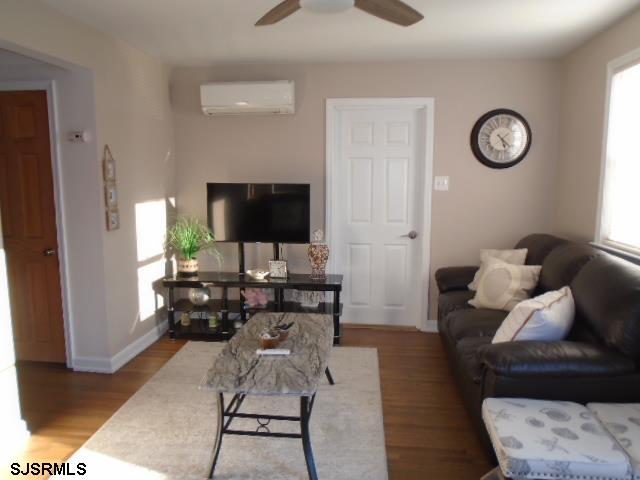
(620, 203)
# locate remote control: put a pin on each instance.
(274, 351)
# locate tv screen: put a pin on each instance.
(259, 212)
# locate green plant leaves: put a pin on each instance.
(188, 236)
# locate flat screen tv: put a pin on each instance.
(259, 212)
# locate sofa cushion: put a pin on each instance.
(467, 356)
(562, 265)
(473, 322)
(539, 246)
(454, 300)
(607, 296)
(554, 359)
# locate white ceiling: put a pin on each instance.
(197, 32)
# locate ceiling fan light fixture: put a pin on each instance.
(327, 6)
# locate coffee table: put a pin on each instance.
(240, 371)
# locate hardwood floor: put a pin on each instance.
(428, 433)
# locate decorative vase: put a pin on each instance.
(199, 296)
(318, 255)
(188, 267)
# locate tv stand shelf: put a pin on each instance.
(224, 306)
(234, 306)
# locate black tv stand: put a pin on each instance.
(226, 280)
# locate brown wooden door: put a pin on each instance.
(29, 226)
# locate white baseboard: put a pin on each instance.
(431, 326)
(92, 364)
(113, 364)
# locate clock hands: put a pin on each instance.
(505, 144)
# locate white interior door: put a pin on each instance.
(379, 208)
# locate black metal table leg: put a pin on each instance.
(219, 432)
(306, 405)
(327, 372)
(336, 317)
(171, 316)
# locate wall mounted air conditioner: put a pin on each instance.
(241, 98)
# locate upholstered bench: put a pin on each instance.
(622, 421)
(537, 439)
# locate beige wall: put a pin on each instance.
(132, 115)
(584, 78)
(484, 208)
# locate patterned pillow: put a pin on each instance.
(502, 285)
(515, 257)
(540, 439)
(622, 420)
(547, 317)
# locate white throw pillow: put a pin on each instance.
(515, 257)
(548, 317)
(502, 286)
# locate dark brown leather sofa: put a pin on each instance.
(598, 362)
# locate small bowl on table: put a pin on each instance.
(258, 274)
(270, 340)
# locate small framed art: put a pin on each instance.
(113, 219)
(278, 269)
(108, 165)
(111, 195)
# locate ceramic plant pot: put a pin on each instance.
(318, 255)
(188, 268)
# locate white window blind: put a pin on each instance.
(620, 213)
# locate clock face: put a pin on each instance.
(501, 138)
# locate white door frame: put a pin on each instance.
(333, 109)
(56, 164)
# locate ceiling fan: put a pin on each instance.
(393, 11)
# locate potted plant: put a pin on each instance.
(186, 237)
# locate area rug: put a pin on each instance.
(166, 429)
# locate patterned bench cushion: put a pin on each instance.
(538, 439)
(623, 422)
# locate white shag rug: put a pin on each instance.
(166, 429)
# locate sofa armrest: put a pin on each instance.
(454, 278)
(553, 359)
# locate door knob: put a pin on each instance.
(49, 252)
(412, 234)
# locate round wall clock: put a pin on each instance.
(501, 138)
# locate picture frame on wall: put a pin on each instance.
(108, 165)
(113, 219)
(111, 195)
(112, 214)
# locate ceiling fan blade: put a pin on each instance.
(391, 10)
(279, 12)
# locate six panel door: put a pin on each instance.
(29, 226)
(380, 203)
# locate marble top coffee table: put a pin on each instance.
(240, 371)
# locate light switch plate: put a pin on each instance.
(441, 184)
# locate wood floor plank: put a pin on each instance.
(428, 433)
